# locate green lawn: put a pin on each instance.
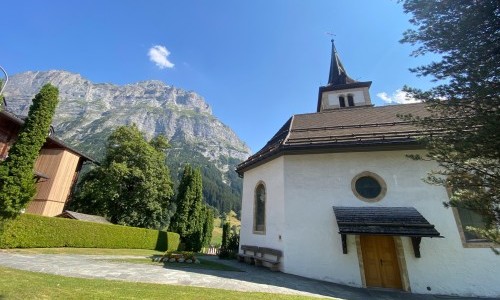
(217, 232)
(16, 284)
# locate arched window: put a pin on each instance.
(342, 101)
(259, 212)
(350, 100)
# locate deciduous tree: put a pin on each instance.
(132, 186)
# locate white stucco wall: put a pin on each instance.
(271, 174)
(301, 192)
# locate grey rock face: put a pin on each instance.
(88, 112)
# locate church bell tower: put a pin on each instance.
(342, 91)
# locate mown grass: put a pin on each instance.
(217, 232)
(17, 284)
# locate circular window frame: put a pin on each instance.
(380, 180)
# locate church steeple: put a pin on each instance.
(342, 91)
(338, 74)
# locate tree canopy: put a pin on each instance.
(132, 186)
(17, 180)
(465, 104)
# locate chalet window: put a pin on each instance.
(259, 219)
(342, 101)
(470, 218)
(350, 100)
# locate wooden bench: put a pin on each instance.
(260, 255)
(246, 256)
(269, 256)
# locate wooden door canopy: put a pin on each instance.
(389, 221)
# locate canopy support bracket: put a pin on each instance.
(344, 243)
(415, 241)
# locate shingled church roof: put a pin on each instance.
(350, 129)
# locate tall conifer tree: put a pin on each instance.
(17, 181)
(466, 35)
(189, 218)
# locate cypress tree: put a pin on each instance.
(189, 218)
(208, 225)
(17, 182)
(183, 201)
(226, 235)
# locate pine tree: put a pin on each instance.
(132, 186)
(17, 182)
(465, 34)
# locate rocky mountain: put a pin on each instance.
(88, 112)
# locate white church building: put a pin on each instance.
(335, 192)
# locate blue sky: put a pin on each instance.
(255, 62)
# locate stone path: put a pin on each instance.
(252, 278)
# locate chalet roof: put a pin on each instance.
(41, 175)
(82, 217)
(350, 129)
(396, 221)
(51, 139)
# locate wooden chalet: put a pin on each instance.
(56, 169)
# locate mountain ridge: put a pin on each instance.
(88, 112)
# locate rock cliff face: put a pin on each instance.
(88, 112)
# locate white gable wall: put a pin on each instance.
(271, 174)
(301, 192)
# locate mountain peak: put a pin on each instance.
(87, 109)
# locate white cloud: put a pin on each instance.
(158, 54)
(398, 97)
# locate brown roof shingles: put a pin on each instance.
(337, 129)
(83, 217)
(50, 139)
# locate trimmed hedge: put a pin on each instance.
(32, 231)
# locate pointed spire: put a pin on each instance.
(338, 74)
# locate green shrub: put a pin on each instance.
(32, 231)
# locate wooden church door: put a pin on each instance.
(380, 262)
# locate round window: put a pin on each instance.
(368, 186)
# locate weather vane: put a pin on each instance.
(330, 34)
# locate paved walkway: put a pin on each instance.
(252, 278)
